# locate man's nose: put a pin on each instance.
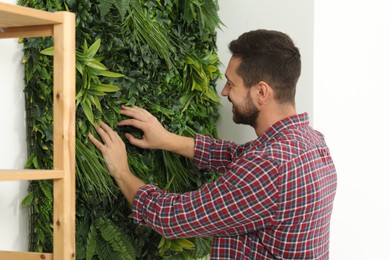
(224, 91)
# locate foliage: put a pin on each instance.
(164, 57)
(203, 12)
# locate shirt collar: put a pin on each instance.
(287, 123)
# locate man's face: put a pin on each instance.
(244, 109)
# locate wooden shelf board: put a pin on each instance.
(10, 255)
(19, 16)
(13, 175)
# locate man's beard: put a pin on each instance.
(246, 113)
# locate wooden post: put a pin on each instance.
(64, 137)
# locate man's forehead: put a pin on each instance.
(232, 67)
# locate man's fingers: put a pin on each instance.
(132, 122)
(96, 142)
(106, 133)
(107, 129)
(134, 140)
(135, 112)
(128, 111)
(103, 134)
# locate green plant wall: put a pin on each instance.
(160, 55)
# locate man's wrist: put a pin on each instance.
(181, 145)
(171, 142)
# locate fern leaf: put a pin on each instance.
(46, 188)
(91, 243)
(104, 6)
(116, 238)
(104, 250)
(46, 209)
(123, 6)
(151, 33)
(204, 12)
(210, 11)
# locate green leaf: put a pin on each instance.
(95, 64)
(49, 51)
(46, 189)
(212, 69)
(105, 88)
(93, 49)
(79, 67)
(28, 199)
(35, 162)
(87, 108)
(104, 7)
(176, 248)
(110, 74)
(79, 95)
(212, 96)
(185, 243)
(162, 242)
(115, 237)
(91, 244)
(96, 102)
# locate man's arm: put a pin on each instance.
(243, 200)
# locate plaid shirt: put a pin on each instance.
(274, 200)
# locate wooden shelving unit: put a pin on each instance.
(21, 22)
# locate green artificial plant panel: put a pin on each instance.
(160, 55)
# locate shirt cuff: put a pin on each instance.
(138, 211)
(202, 144)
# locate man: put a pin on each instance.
(275, 197)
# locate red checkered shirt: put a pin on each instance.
(273, 201)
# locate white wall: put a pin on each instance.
(13, 217)
(348, 103)
(296, 18)
(351, 107)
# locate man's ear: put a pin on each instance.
(263, 92)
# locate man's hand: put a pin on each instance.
(114, 153)
(113, 150)
(155, 136)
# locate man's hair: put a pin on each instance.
(269, 56)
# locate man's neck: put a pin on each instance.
(270, 115)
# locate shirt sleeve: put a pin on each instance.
(212, 153)
(242, 200)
